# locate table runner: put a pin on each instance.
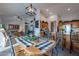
(44, 46)
(23, 42)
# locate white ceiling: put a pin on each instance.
(15, 9)
(61, 9)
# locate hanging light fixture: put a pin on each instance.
(30, 10)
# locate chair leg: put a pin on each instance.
(55, 51)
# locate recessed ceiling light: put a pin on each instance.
(68, 9)
(47, 9)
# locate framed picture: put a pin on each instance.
(13, 26)
(36, 24)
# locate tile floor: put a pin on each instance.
(65, 52)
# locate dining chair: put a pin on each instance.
(57, 47)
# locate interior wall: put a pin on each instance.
(0, 20)
(10, 20)
(50, 19)
(70, 17)
(42, 18)
(14, 20)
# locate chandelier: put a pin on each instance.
(30, 10)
